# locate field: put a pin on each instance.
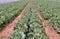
(9, 11)
(51, 11)
(30, 26)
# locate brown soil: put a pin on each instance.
(49, 30)
(9, 29)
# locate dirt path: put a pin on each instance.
(9, 29)
(49, 30)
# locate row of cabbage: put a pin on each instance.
(9, 11)
(51, 11)
(29, 27)
(36, 30)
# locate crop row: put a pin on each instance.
(50, 9)
(10, 10)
